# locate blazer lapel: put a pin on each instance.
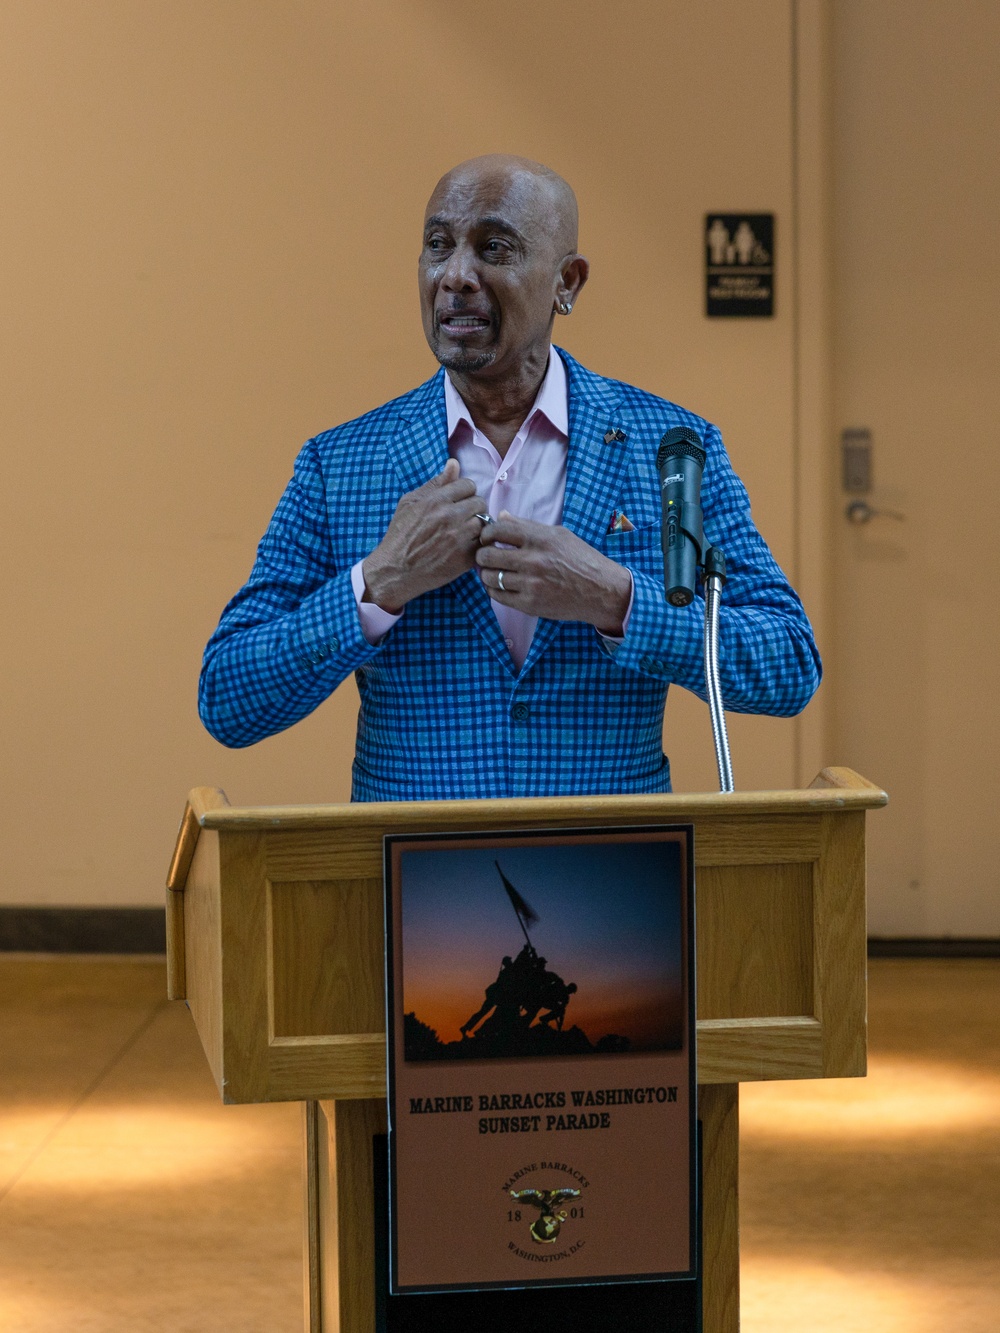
(418, 447)
(418, 450)
(595, 465)
(594, 469)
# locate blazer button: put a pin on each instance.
(519, 712)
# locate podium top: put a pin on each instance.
(276, 931)
(833, 789)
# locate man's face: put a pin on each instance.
(489, 271)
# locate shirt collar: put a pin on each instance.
(552, 399)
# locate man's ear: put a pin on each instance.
(573, 273)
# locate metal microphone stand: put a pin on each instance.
(715, 577)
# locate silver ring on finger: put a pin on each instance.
(485, 519)
(500, 581)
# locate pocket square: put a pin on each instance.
(620, 522)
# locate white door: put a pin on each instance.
(917, 339)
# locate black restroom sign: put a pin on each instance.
(739, 264)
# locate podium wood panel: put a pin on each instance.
(201, 981)
(755, 940)
(718, 1109)
(340, 1215)
(323, 989)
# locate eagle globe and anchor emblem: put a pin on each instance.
(551, 1215)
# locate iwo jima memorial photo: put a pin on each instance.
(538, 950)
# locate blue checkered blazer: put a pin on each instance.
(444, 712)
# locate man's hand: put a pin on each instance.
(431, 539)
(553, 573)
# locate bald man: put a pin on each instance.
(484, 552)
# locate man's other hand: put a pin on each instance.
(432, 538)
(549, 571)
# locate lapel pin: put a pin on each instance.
(615, 436)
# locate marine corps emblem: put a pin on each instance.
(546, 1227)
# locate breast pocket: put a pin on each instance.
(639, 549)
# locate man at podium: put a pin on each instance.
(484, 552)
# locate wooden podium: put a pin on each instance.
(275, 938)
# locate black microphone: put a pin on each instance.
(679, 461)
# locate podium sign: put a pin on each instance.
(540, 1016)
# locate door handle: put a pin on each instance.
(860, 511)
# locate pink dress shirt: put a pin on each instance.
(529, 482)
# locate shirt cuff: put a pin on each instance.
(375, 623)
(613, 638)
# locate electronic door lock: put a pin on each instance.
(856, 476)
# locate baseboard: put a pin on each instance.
(83, 930)
(143, 930)
(922, 947)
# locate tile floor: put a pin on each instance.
(131, 1200)
(873, 1206)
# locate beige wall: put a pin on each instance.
(208, 250)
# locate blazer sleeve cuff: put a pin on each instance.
(662, 641)
(328, 637)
